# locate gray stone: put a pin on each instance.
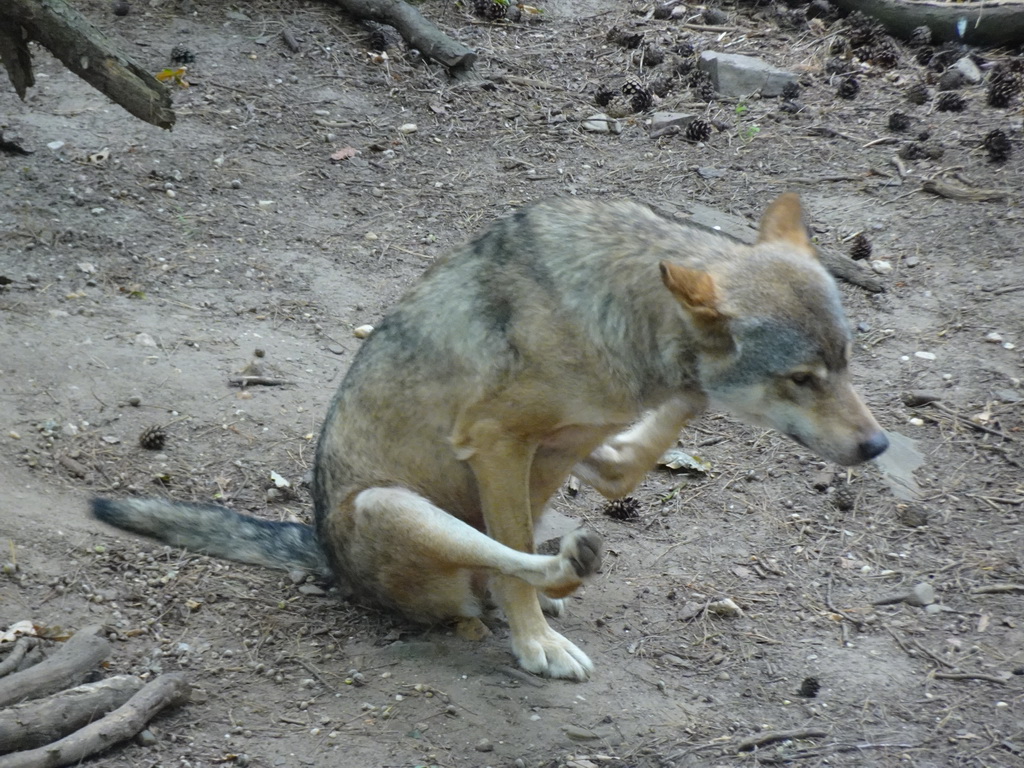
(969, 70)
(602, 123)
(665, 122)
(735, 76)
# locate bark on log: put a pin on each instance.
(65, 668)
(123, 723)
(991, 23)
(35, 723)
(417, 31)
(84, 50)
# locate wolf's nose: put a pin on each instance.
(873, 446)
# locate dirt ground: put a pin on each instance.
(143, 269)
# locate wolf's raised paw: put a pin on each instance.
(582, 549)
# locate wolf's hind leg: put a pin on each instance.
(428, 563)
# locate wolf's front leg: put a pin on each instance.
(501, 464)
(617, 467)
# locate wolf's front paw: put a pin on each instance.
(582, 549)
(551, 655)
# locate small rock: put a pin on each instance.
(236, 183)
(145, 340)
(297, 576)
(882, 267)
(925, 355)
(55, 145)
(580, 734)
(912, 261)
(312, 590)
(484, 745)
(145, 738)
(408, 128)
(362, 331)
(134, 401)
(726, 608)
(917, 398)
(968, 70)
(602, 123)
(994, 337)
(921, 595)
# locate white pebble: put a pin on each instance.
(882, 267)
(994, 337)
(362, 331)
(408, 128)
(925, 355)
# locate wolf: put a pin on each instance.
(572, 338)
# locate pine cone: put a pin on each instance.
(489, 9)
(917, 93)
(998, 146)
(921, 36)
(860, 249)
(603, 96)
(883, 54)
(640, 98)
(809, 687)
(626, 508)
(182, 55)
(698, 130)
(848, 88)
(898, 122)
(790, 90)
(950, 101)
(625, 39)
(153, 438)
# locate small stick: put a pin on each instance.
(21, 647)
(995, 589)
(252, 381)
(956, 192)
(999, 679)
(770, 737)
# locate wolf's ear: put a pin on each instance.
(697, 292)
(783, 223)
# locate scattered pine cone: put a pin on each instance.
(700, 82)
(653, 55)
(698, 130)
(917, 93)
(625, 39)
(1001, 93)
(662, 86)
(920, 37)
(640, 98)
(998, 146)
(603, 96)
(898, 122)
(809, 687)
(918, 150)
(883, 54)
(843, 498)
(153, 438)
(861, 248)
(790, 90)
(490, 9)
(182, 55)
(848, 88)
(863, 31)
(950, 101)
(624, 509)
(685, 49)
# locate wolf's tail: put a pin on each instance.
(218, 531)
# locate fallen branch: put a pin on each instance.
(66, 667)
(22, 646)
(32, 724)
(417, 31)
(956, 192)
(123, 723)
(995, 589)
(84, 50)
(994, 22)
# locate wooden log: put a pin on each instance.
(17, 653)
(992, 23)
(123, 723)
(83, 49)
(417, 31)
(66, 667)
(32, 724)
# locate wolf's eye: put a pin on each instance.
(802, 378)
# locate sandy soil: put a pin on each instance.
(145, 269)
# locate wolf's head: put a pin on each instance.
(774, 343)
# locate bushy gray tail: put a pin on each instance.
(218, 531)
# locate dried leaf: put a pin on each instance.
(344, 154)
(677, 458)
